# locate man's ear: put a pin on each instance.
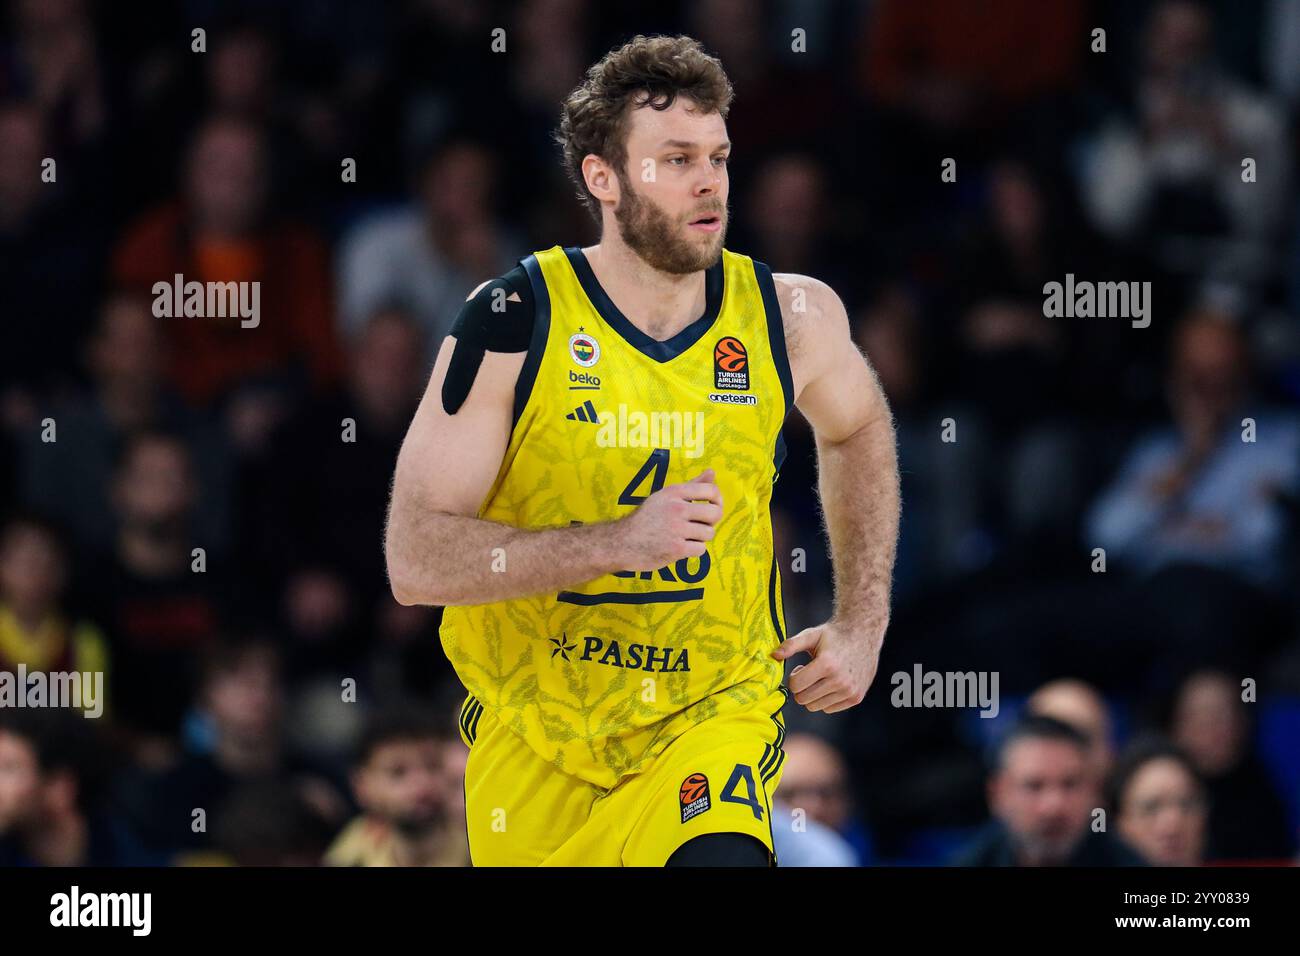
(600, 178)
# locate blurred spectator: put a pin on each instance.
(402, 782)
(1075, 703)
(49, 776)
(550, 56)
(304, 126)
(241, 73)
(1198, 491)
(1023, 235)
(783, 94)
(947, 80)
(267, 822)
(54, 59)
(51, 252)
(427, 257)
(1005, 348)
(1247, 816)
(1158, 803)
(787, 212)
(1281, 34)
(800, 841)
(455, 755)
(435, 47)
(160, 607)
(318, 498)
(1172, 176)
(224, 230)
(1043, 799)
(791, 226)
(815, 781)
(35, 630)
(1195, 530)
(237, 739)
(952, 66)
(71, 478)
(940, 527)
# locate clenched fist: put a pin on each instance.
(675, 522)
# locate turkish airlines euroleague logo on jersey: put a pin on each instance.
(730, 364)
(694, 795)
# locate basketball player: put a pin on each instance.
(586, 488)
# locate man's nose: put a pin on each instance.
(1055, 801)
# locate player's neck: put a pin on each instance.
(660, 304)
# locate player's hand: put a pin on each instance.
(844, 661)
(677, 521)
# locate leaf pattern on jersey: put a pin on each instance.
(587, 718)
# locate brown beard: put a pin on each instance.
(648, 231)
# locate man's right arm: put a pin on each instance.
(439, 553)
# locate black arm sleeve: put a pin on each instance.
(490, 321)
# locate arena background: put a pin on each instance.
(1026, 441)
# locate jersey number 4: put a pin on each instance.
(656, 469)
(743, 774)
(658, 463)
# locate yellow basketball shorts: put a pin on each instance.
(520, 810)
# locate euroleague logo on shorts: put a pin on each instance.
(584, 349)
(694, 796)
(730, 365)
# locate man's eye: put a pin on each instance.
(721, 159)
(677, 160)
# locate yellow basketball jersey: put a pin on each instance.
(601, 678)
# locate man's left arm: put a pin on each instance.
(837, 391)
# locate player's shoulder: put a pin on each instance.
(804, 295)
(492, 333)
(498, 314)
(811, 312)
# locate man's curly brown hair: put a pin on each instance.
(645, 71)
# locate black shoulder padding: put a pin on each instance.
(498, 318)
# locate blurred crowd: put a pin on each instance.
(1103, 514)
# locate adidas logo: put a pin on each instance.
(586, 412)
